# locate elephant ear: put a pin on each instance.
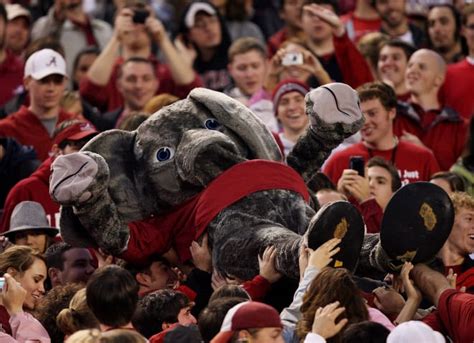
(238, 118)
(116, 147)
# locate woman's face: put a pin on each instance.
(36, 239)
(32, 280)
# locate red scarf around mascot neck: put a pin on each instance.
(188, 222)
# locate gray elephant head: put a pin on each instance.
(174, 154)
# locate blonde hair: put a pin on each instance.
(113, 336)
(77, 316)
(20, 258)
(158, 102)
(462, 200)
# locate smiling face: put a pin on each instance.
(32, 280)
(291, 112)
(392, 12)
(462, 234)
(425, 73)
(392, 65)
(378, 121)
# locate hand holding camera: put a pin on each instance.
(13, 295)
(353, 184)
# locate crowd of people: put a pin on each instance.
(72, 69)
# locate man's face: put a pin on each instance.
(83, 65)
(206, 32)
(468, 32)
(161, 276)
(47, 92)
(378, 121)
(392, 65)
(423, 74)
(462, 234)
(18, 34)
(316, 29)
(291, 12)
(248, 71)
(442, 28)
(185, 317)
(36, 239)
(380, 185)
(77, 266)
(291, 111)
(137, 84)
(392, 12)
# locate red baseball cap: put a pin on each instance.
(247, 315)
(76, 132)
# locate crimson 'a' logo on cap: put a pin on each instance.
(51, 62)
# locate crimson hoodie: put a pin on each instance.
(33, 188)
(27, 129)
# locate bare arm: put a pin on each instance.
(431, 283)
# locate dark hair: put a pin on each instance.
(3, 13)
(136, 59)
(51, 305)
(456, 182)
(407, 48)
(378, 90)
(156, 308)
(365, 332)
(328, 286)
(457, 20)
(332, 3)
(378, 161)
(112, 295)
(211, 318)
(229, 291)
(86, 51)
(54, 255)
(144, 267)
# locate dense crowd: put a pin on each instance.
(73, 69)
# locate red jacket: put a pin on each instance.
(443, 131)
(33, 188)
(457, 88)
(414, 163)
(11, 76)
(188, 221)
(27, 129)
(108, 98)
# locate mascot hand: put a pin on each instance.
(78, 178)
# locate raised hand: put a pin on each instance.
(327, 16)
(324, 323)
(266, 265)
(322, 256)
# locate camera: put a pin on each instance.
(357, 163)
(139, 16)
(292, 58)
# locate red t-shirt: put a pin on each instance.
(108, 97)
(456, 313)
(33, 188)
(357, 27)
(458, 87)
(414, 163)
(27, 129)
(444, 132)
(11, 76)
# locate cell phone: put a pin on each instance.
(357, 163)
(2, 283)
(139, 16)
(292, 58)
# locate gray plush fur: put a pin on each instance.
(141, 185)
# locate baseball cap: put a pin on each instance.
(414, 331)
(16, 10)
(75, 132)
(194, 9)
(43, 63)
(247, 315)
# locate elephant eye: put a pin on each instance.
(164, 154)
(212, 124)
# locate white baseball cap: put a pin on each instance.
(194, 8)
(16, 10)
(43, 63)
